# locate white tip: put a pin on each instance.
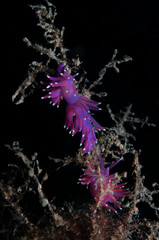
(83, 135)
(80, 144)
(55, 82)
(74, 94)
(64, 126)
(42, 97)
(66, 91)
(85, 118)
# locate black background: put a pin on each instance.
(93, 29)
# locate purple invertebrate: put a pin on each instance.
(78, 117)
(104, 187)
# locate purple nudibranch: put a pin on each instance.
(103, 186)
(78, 117)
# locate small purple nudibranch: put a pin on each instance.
(78, 117)
(104, 187)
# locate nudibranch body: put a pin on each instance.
(103, 186)
(78, 116)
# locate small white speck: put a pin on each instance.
(83, 135)
(64, 126)
(66, 91)
(61, 74)
(57, 106)
(80, 144)
(42, 97)
(55, 82)
(85, 118)
(75, 95)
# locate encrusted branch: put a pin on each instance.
(112, 64)
(29, 82)
(31, 174)
(46, 16)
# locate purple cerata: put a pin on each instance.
(78, 116)
(103, 186)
